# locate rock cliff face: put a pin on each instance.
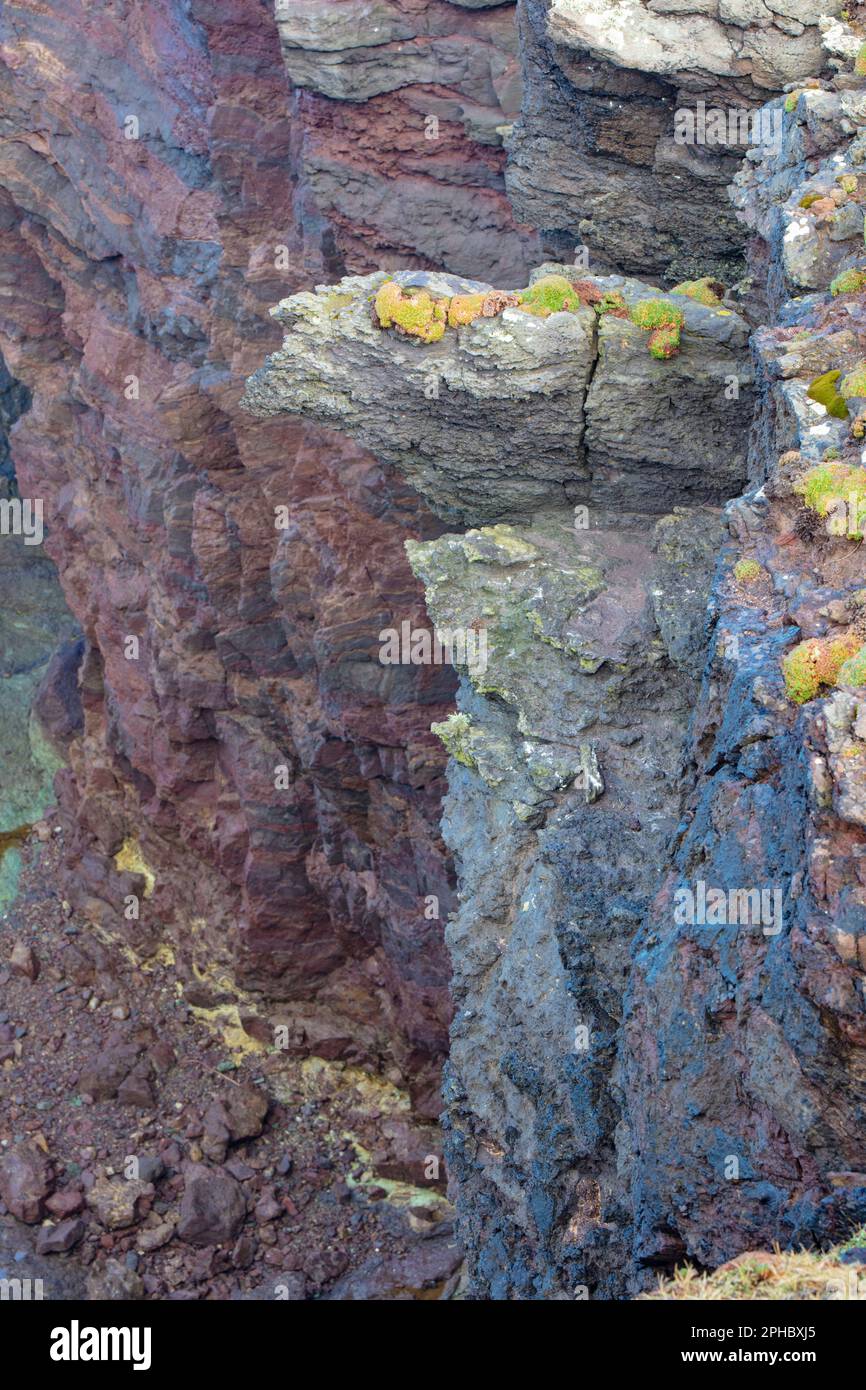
(602, 155)
(401, 108)
(655, 700)
(238, 768)
(658, 979)
(736, 1039)
(565, 747)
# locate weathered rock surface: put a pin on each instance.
(401, 111)
(150, 212)
(738, 1144)
(565, 747)
(701, 42)
(115, 1202)
(597, 160)
(512, 412)
(800, 248)
(562, 794)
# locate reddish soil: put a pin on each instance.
(334, 1188)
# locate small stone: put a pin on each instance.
(24, 961)
(155, 1237)
(212, 1208)
(115, 1202)
(240, 1170)
(268, 1208)
(53, 1240)
(151, 1168)
(69, 1201)
(113, 1282)
(237, 1116)
(136, 1090)
(26, 1180)
(244, 1252)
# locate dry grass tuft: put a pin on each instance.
(800, 1275)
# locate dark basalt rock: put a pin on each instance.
(593, 163)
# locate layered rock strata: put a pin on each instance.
(268, 792)
(401, 110)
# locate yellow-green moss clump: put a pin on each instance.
(612, 303)
(664, 321)
(854, 384)
(465, 308)
(825, 391)
(791, 101)
(860, 61)
(814, 663)
(419, 314)
(848, 282)
(747, 571)
(853, 671)
(455, 734)
(552, 294)
(706, 291)
(838, 492)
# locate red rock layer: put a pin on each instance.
(136, 277)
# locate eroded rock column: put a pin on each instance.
(566, 439)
